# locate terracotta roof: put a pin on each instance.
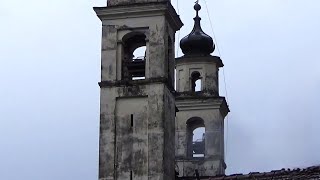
(311, 173)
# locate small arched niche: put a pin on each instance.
(195, 137)
(196, 82)
(134, 56)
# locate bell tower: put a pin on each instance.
(137, 103)
(200, 106)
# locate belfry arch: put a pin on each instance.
(195, 147)
(134, 68)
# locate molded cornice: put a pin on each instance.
(141, 10)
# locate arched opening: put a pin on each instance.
(198, 142)
(134, 57)
(196, 82)
(140, 53)
(198, 85)
(195, 138)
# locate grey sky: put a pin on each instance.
(50, 66)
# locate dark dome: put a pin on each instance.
(197, 42)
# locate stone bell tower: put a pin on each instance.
(137, 104)
(200, 106)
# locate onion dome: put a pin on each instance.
(197, 42)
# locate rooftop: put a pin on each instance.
(310, 173)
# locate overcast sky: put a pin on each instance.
(50, 69)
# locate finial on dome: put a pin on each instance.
(197, 7)
(197, 42)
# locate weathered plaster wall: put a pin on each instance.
(113, 32)
(132, 137)
(208, 67)
(213, 121)
(146, 149)
(205, 167)
(205, 105)
(210, 111)
(169, 128)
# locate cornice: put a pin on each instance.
(128, 83)
(199, 59)
(203, 102)
(141, 10)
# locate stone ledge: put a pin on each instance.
(150, 81)
(199, 59)
(198, 102)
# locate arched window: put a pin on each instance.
(134, 57)
(198, 142)
(196, 82)
(195, 138)
(139, 56)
